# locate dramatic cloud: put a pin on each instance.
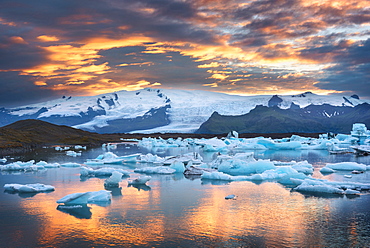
(64, 47)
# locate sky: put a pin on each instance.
(54, 48)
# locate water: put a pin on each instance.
(173, 211)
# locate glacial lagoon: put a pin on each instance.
(178, 211)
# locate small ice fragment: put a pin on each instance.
(348, 176)
(228, 197)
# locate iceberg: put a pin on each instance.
(347, 166)
(270, 144)
(150, 158)
(3, 160)
(228, 197)
(111, 158)
(155, 170)
(73, 153)
(178, 166)
(216, 175)
(28, 188)
(102, 196)
(70, 165)
(241, 167)
(140, 180)
(332, 187)
(114, 180)
(318, 187)
(105, 171)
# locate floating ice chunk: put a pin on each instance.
(28, 188)
(347, 166)
(351, 192)
(216, 175)
(326, 170)
(79, 147)
(196, 170)
(156, 170)
(113, 180)
(318, 186)
(150, 158)
(323, 145)
(21, 166)
(3, 160)
(240, 167)
(140, 180)
(348, 176)
(270, 144)
(325, 186)
(86, 197)
(105, 171)
(73, 153)
(229, 197)
(304, 167)
(70, 165)
(194, 157)
(274, 174)
(178, 166)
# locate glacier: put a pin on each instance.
(157, 110)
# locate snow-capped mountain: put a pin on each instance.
(157, 110)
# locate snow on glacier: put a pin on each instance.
(188, 108)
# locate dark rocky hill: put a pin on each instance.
(311, 119)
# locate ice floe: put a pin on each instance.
(114, 180)
(346, 166)
(28, 188)
(28, 166)
(140, 180)
(155, 170)
(102, 196)
(101, 172)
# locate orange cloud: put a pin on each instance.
(46, 38)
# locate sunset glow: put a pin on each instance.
(254, 47)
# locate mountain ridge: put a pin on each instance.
(311, 119)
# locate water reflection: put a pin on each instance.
(78, 211)
(178, 211)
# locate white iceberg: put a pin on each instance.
(155, 170)
(332, 187)
(318, 187)
(105, 171)
(114, 180)
(73, 153)
(3, 160)
(140, 180)
(70, 164)
(28, 188)
(241, 167)
(229, 197)
(347, 166)
(222, 176)
(326, 170)
(102, 196)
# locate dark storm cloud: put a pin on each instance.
(352, 69)
(17, 90)
(16, 54)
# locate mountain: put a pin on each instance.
(158, 110)
(311, 119)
